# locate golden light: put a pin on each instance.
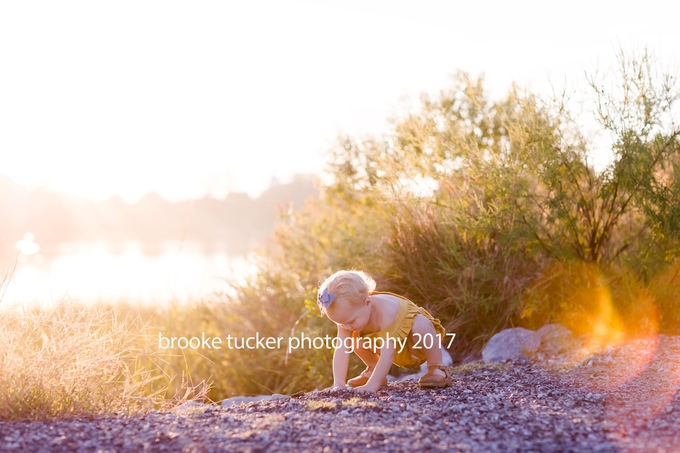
(607, 326)
(606, 311)
(664, 371)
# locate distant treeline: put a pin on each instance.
(236, 222)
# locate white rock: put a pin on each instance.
(190, 406)
(237, 400)
(510, 344)
(555, 338)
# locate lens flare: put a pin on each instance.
(622, 355)
(605, 311)
(646, 399)
(664, 370)
(27, 246)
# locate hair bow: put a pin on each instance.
(325, 299)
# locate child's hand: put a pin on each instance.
(365, 389)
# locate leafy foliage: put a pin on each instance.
(489, 213)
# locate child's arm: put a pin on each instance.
(341, 360)
(382, 368)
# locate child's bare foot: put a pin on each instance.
(365, 389)
(363, 378)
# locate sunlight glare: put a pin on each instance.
(27, 246)
(607, 312)
(91, 272)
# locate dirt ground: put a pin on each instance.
(614, 400)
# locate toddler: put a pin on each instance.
(382, 328)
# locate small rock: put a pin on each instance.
(238, 400)
(190, 405)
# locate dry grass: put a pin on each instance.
(358, 402)
(319, 406)
(478, 365)
(71, 361)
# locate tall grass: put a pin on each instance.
(259, 308)
(74, 361)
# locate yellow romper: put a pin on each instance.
(402, 327)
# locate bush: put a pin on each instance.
(665, 290)
(470, 277)
(489, 214)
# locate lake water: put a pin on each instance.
(132, 271)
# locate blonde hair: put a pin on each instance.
(352, 285)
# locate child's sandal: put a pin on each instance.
(432, 380)
(362, 379)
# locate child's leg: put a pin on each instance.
(425, 334)
(367, 356)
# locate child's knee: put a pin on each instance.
(422, 325)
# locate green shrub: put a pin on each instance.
(665, 290)
(489, 213)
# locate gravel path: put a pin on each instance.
(617, 400)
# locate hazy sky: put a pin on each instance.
(126, 97)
